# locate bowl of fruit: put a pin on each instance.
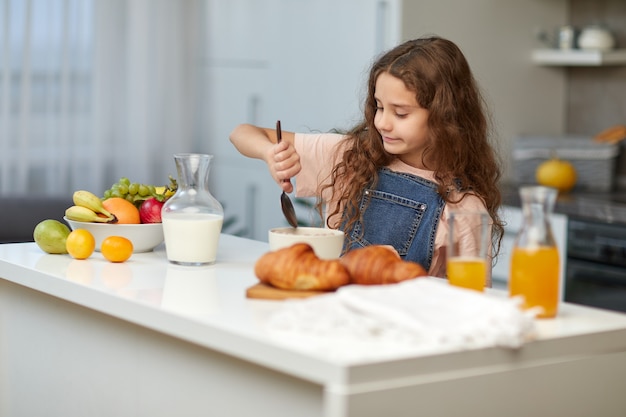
(144, 237)
(124, 210)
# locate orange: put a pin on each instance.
(80, 244)
(124, 210)
(116, 248)
(557, 173)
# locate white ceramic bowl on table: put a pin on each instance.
(327, 243)
(145, 237)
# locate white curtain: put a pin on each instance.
(92, 90)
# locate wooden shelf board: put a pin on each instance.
(577, 57)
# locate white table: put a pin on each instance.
(147, 338)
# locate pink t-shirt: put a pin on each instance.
(319, 153)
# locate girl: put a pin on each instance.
(421, 150)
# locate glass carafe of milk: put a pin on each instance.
(192, 217)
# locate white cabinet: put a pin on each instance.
(235, 95)
(243, 186)
(236, 31)
(251, 201)
(514, 219)
(303, 62)
(321, 56)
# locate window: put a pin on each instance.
(94, 90)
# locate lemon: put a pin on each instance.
(556, 173)
(80, 244)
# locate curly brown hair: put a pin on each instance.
(459, 152)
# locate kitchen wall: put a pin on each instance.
(498, 37)
(596, 96)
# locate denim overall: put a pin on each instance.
(402, 211)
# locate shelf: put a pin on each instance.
(577, 57)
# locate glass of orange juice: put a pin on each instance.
(468, 249)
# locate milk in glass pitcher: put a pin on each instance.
(192, 217)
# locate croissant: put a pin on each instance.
(613, 134)
(298, 268)
(378, 264)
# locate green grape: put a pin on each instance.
(133, 188)
(123, 188)
(144, 190)
(134, 192)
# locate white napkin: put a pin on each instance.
(425, 315)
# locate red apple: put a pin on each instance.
(150, 211)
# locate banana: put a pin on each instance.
(92, 202)
(164, 192)
(83, 214)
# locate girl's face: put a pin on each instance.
(401, 122)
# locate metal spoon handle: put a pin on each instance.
(279, 132)
(279, 138)
(285, 201)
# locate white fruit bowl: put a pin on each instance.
(327, 243)
(145, 237)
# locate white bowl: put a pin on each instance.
(145, 237)
(327, 243)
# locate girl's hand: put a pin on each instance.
(284, 163)
(260, 143)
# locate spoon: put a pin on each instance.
(285, 201)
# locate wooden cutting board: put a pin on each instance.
(268, 292)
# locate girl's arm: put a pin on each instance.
(260, 143)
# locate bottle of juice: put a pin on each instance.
(534, 271)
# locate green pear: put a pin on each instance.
(50, 235)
